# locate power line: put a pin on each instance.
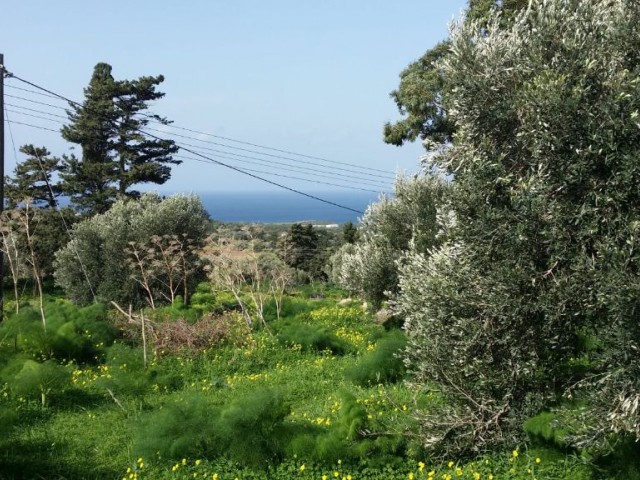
(49, 93)
(13, 143)
(251, 160)
(288, 176)
(203, 156)
(291, 168)
(36, 111)
(18, 97)
(31, 91)
(286, 166)
(218, 144)
(261, 178)
(263, 153)
(35, 126)
(277, 149)
(66, 227)
(33, 116)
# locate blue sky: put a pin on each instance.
(308, 77)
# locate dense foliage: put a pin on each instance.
(116, 155)
(422, 95)
(540, 263)
(100, 260)
(389, 226)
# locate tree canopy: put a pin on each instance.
(421, 95)
(539, 260)
(116, 155)
(34, 179)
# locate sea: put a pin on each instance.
(286, 207)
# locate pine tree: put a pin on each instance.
(115, 154)
(33, 179)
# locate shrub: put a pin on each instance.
(127, 373)
(545, 429)
(183, 427)
(349, 438)
(389, 226)
(72, 333)
(311, 338)
(252, 428)
(384, 364)
(102, 242)
(34, 380)
(249, 430)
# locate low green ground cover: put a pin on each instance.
(317, 394)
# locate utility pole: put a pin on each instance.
(2, 72)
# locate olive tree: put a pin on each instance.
(96, 263)
(370, 265)
(542, 252)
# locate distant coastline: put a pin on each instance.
(284, 207)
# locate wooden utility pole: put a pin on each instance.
(2, 72)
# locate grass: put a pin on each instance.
(251, 406)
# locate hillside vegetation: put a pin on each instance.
(480, 323)
(318, 393)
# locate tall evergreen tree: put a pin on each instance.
(34, 179)
(115, 154)
(303, 240)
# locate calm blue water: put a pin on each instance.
(284, 207)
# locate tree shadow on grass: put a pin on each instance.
(38, 459)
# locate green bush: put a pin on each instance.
(311, 338)
(184, 427)
(102, 241)
(346, 439)
(249, 430)
(127, 374)
(384, 364)
(389, 226)
(544, 429)
(33, 380)
(72, 333)
(252, 428)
